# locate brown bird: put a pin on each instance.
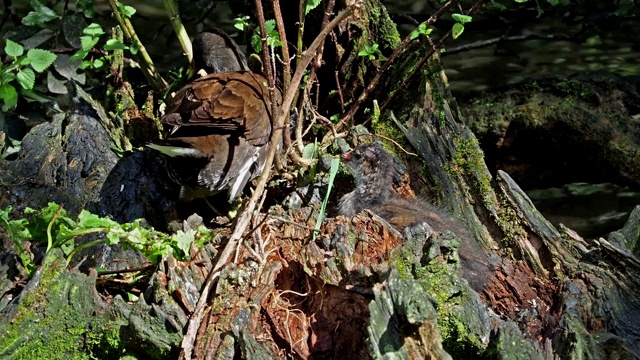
(217, 127)
(374, 170)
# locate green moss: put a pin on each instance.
(386, 32)
(385, 126)
(509, 222)
(457, 340)
(440, 280)
(57, 320)
(468, 159)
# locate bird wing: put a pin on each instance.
(223, 103)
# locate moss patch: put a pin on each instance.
(57, 319)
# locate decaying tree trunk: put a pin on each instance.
(358, 289)
(551, 131)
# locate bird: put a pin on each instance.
(215, 52)
(217, 128)
(374, 170)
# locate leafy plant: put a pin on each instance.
(241, 23)
(458, 27)
(53, 225)
(91, 35)
(369, 51)
(21, 69)
(273, 38)
(39, 15)
(421, 30)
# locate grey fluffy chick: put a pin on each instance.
(374, 170)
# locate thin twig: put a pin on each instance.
(256, 225)
(286, 63)
(396, 144)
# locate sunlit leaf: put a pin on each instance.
(41, 59)
(126, 10)
(457, 30)
(13, 49)
(26, 78)
(93, 30)
(184, 239)
(98, 63)
(310, 5)
(114, 44)
(463, 19)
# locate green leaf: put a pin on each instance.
(86, 64)
(93, 29)
(79, 55)
(7, 77)
(86, 6)
(463, 19)
(369, 51)
(335, 165)
(135, 237)
(13, 49)
(26, 78)
(67, 246)
(134, 48)
(40, 15)
(273, 37)
(19, 232)
(88, 220)
(9, 96)
(310, 151)
(126, 10)
(17, 228)
(113, 236)
(184, 240)
(41, 59)
(88, 42)
(97, 63)
(457, 30)
(421, 30)
(114, 44)
(240, 23)
(310, 5)
(256, 43)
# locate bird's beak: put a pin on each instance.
(346, 156)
